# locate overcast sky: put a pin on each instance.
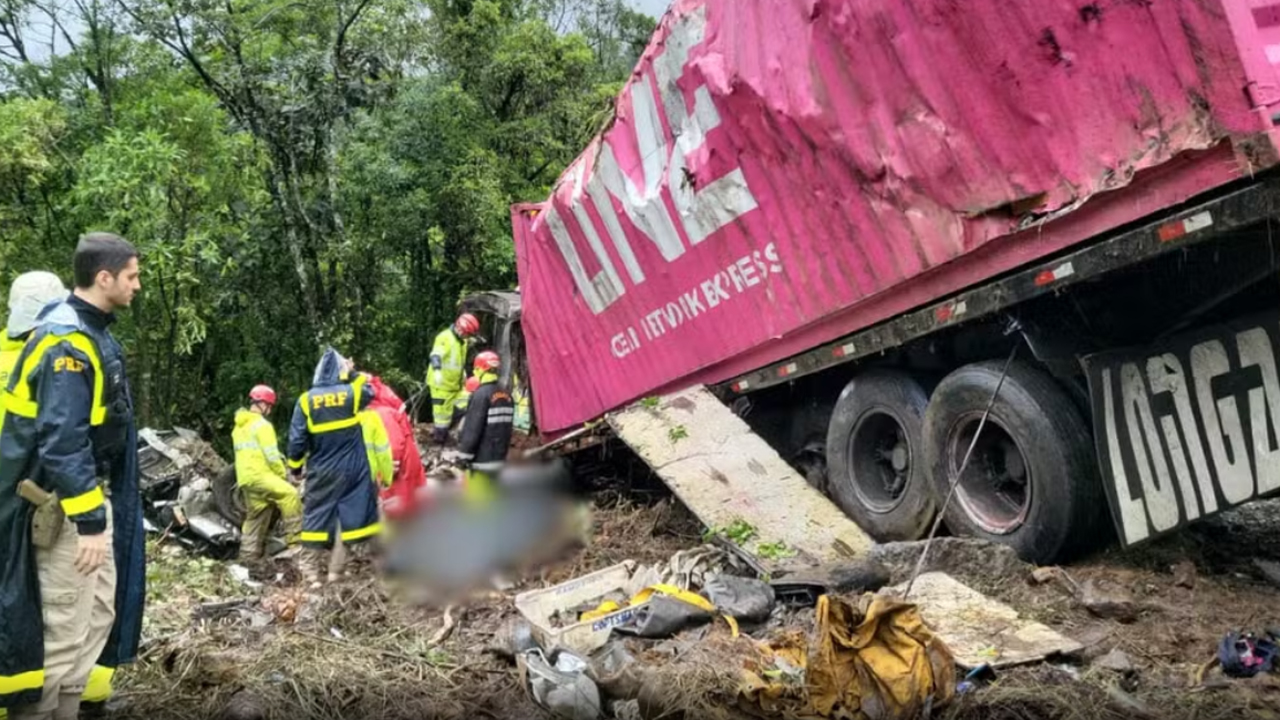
(652, 7)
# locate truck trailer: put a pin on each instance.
(855, 220)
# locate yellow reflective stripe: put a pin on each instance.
(364, 532)
(30, 680)
(82, 504)
(332, 425)
(98, 689)
(19, 407)
(297, 464)
(314, 536)
(77, 340)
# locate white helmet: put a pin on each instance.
(28, 295)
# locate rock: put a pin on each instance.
(1093, 642)
(1108, 604)
(1184, 574)
(1042, 575)
(1116, 660)
(1268, 569)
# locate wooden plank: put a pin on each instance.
(724, 472)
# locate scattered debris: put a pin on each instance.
(979, 630)
(1110, 603)
(1243, 655)
(1117, 661)
(877, 653)
(965, 558)
(745, 599)
(1184, 574)
(539, 607)
(563, 688)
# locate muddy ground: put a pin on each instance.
(216, 648)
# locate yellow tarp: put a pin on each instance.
(872, 661)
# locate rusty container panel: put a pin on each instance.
(780, 173)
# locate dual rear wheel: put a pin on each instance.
(894, 449)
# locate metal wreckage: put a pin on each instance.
(189, 493)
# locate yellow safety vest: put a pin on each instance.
(453, 353)
(377, 447)
(10, 349)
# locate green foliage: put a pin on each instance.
(677, 433)
(776, 550)
(739, 532)
(294, 174)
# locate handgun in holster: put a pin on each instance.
(47, 520)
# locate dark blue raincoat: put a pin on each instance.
(340, 498)
(68, 423)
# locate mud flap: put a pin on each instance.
(726, 475)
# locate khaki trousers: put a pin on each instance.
(78, 614)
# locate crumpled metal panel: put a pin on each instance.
(780, 173)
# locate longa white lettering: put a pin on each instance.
(1264, 405)
(702, 211)
(1165, 375)
(1221, 423)
(1162, 503)
(1133, 517)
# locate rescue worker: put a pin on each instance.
(28, 295)
(399, 499)
(328, 437)
(486, 432)
(446, 377)
(261, 475)
(73, 592)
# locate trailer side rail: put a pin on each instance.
(1193, 226)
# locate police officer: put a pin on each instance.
(446, 377)
(78, 586)
(328, 437)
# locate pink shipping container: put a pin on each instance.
(784, 172)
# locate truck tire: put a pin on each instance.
(1031, 482)
(228, 498)
(876, 469)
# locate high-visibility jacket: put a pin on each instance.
(448, 355)
(68, 423)
(377, 448)
(520, 394)
(10, 348)
(257, 449)
(327, 435)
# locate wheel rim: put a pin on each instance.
(879, 455)
(996, 488)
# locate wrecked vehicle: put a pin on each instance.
(189, 492)
(849, 258)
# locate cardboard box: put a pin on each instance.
(538, 606)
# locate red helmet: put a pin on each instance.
(487, 360)
(467, 324)
(263, 393)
